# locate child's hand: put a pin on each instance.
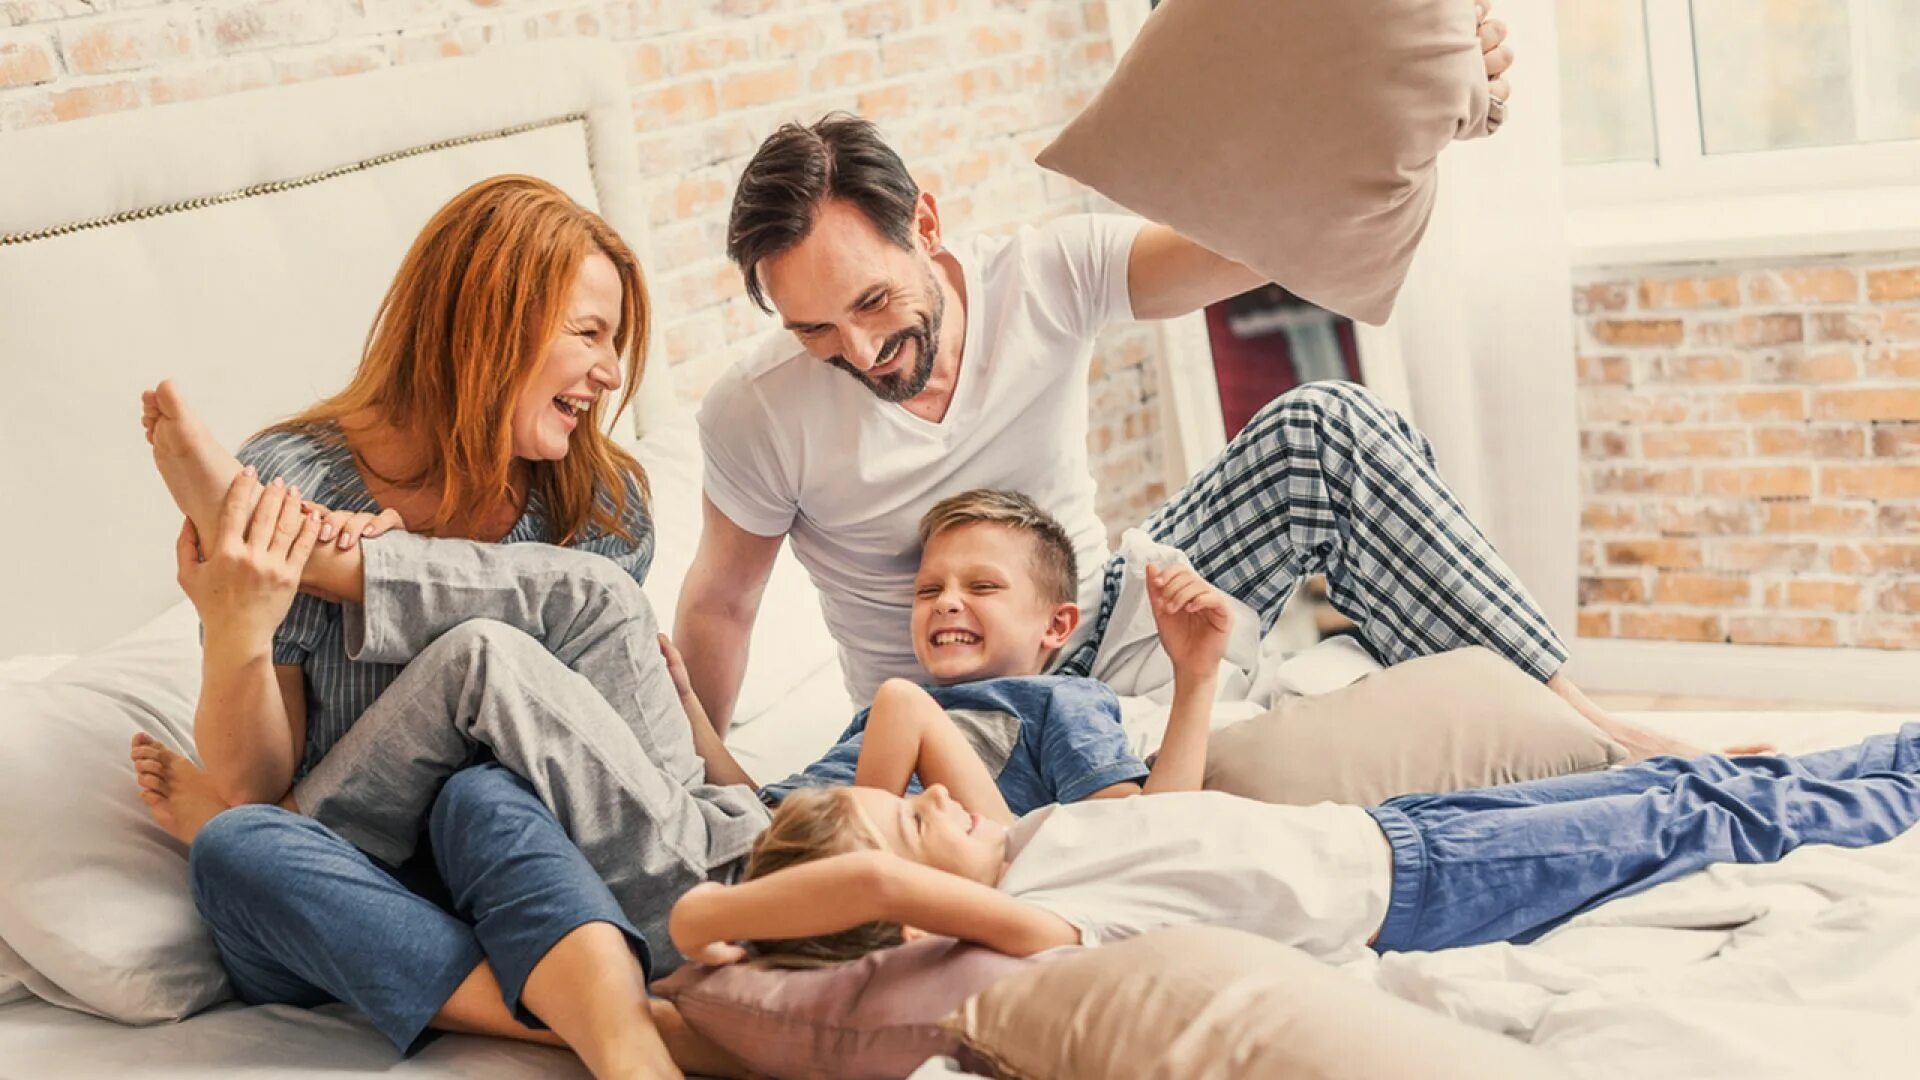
(712, 953)
(1193, 617)
(682, 685)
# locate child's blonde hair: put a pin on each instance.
(811, 824)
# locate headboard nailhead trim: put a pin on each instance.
(273, 186)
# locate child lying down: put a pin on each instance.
(842, 872)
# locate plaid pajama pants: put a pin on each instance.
(1326, 479)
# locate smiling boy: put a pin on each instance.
(993, 602)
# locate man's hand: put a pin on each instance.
(243, 582)
(1193, 618)
(1494, 50)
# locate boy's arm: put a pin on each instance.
(1193, 618)
(908, 733)
(845, 891)
(722, 767)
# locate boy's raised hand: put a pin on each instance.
(1193, 617)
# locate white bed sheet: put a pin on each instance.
(1819, 974)
(1806, 968)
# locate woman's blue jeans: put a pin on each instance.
(304, 918)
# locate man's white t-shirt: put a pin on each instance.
(1314, 877)
(796, 447)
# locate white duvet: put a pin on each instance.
(1806, 968)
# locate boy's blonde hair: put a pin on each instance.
(811, 824)
(1054, 568)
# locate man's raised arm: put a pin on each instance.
(718, 604)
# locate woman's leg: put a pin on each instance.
(556, 939)
(301, 918)
(1474, 868)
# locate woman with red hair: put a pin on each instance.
(516, 325)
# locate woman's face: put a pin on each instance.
(580, 364)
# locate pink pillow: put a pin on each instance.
(878, 1016)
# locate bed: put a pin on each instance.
(239, 245)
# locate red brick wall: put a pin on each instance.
(1750, 449)
(968, 90)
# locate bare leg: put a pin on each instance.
(180, 796)
(590, 990)
(198, 471)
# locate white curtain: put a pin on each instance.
(1480, 348)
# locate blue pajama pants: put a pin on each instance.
(1326, 479)
(1511, 863)
(304, 918)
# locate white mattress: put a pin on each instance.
(1820, 976)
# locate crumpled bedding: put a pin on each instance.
(1806, 968)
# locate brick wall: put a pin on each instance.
(1750, 448)
(967, 90)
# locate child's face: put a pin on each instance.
(932, 829)
(978, 613)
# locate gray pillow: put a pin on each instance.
(1455, 720)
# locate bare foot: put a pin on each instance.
(196, 468)
(1640, 743)
(179, 796)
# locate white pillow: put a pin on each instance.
(94, 908)
(790, 642)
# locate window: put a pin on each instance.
(1744, 120)
(1764, 74)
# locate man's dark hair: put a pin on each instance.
(840, 156)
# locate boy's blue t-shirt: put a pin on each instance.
(1046, 739)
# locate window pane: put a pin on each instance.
(1773, 73)
(1890, 94)
(1606, 100)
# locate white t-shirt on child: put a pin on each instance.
(1314, 877)
(796, 447)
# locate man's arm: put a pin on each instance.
(845, 891)
(1169, 275)
(718, 603)
(909, 733)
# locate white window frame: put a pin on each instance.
(1765, 203)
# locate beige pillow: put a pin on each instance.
(1211, 1002)
(1297, 136)
(1455, 720)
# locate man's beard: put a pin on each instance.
(903, 385)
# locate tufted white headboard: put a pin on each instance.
(239, 245)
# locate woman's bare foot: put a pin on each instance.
(179, 796)
(196, 468)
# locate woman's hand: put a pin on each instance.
(1193, 618)
(243, 581)
(345, 528)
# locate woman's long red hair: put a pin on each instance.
(462, 331)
